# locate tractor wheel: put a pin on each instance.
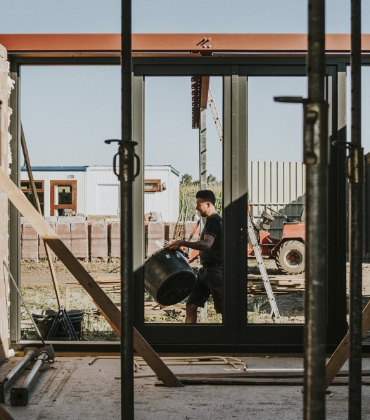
(290, 257)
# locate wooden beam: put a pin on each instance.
(340, 355)
(105, 304)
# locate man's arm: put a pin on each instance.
(203, 245)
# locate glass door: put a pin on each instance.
(262, 177)
(182, 125)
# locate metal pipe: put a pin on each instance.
(14, 374)
(126, 171)
(19, 396)
(355, 174)
(316, 160)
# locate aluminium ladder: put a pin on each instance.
(252, 234)
(261, 265)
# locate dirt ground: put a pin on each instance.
(38, 292)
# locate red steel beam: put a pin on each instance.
(172, 43)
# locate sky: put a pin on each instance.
(79, 107)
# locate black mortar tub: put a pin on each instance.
(45, 319)
(168, 277)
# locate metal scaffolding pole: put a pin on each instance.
(126, 175)
(316, 160)
(356, 175)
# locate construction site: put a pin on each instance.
(142, 288)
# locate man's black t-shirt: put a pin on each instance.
(212, 227)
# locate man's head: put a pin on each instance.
(206, 201)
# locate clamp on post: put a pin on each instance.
(126, 154)
(315, 114)
(355, 161)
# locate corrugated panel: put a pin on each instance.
(279, 186)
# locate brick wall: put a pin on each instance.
(5, 88)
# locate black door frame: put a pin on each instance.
(234, 334)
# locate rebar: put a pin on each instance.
(355, 221)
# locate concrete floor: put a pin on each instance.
(71, 389)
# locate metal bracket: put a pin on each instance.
(315, 115)
(355, 161)
(126, 153)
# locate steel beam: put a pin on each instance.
(14, 216)
(109, 44)
(356, 176)
(316, 160)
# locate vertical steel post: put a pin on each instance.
(316, 160)
(126, 171)
(14, 216)
(355, 174)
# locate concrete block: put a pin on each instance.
(29, 243)
(63, 230)
(99, 240)
(79, 237)
(42, 253)
(115, 239)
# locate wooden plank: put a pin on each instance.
(255, 373)
(340, 355)
(253, 381)
(105, 304)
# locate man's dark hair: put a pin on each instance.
(206, 195)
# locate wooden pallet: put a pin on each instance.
(279, 284)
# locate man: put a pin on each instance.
(209, 277)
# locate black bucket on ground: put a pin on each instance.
(44, 321)
(168, 277)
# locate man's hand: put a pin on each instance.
(175, 245)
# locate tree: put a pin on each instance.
(211, 179)
(186, 179)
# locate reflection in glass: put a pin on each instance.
(276, 186)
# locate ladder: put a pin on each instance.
(257, 252)
(252, 234)
(215, 116)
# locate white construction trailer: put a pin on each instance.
(94, 190)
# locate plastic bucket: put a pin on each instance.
(168, 277)
(44, 321)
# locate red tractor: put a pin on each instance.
(288, 251)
